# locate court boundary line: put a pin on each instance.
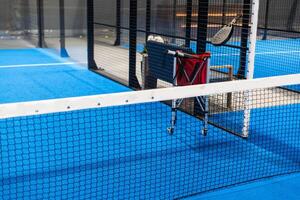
(138, 97)
(39, 65)
(258, 53)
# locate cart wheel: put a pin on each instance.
(170, 131)
(204, 132)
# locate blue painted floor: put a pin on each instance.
(125, 152)
(286, 187)
(10, 57)
(33, 74)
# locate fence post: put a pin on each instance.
(118, 23)
(90, 35)
(133, 81)
(40, 23)
(202, 25)
(148, 19)
(244, 38)
(201, 38)
(188, 22)
(63, 51)
(266, 25)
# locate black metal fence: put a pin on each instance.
(184, 22)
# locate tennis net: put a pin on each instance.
(117, 146)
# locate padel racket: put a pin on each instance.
(224, 35)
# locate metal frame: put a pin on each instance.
(202, 102)
(148, 19)
(63, 51)
(40, 21)
(188, 28)
(133, 81)
(202, 25)
(118, 23)
(90, 35)
(41, 27)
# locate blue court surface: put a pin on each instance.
(35, 74)
(285, 187)
(124, 152)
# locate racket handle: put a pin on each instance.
(180, 54)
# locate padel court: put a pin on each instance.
(149, 99)
(84, 153)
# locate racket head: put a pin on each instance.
(222, 36)
(156, 38)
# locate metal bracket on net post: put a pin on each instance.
(90, 35)
(133, 81)
(63, 51)
(40, 23)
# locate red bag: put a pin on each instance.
(191, 66)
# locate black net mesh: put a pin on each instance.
(125, 152)
(278, 39)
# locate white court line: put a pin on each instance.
(40, 65)
(262, 53)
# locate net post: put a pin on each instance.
(40, 23)
(250, 68)
(133, 81)
(63, 51)
(90, 35)
(189, 6)
(118, 23)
